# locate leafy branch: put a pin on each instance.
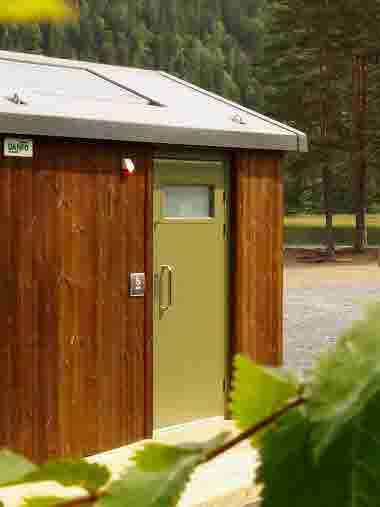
(319, 442)
(208, 455)
(256, 428)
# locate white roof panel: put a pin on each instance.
(89, 100)
(35, 83)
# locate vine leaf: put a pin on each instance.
(347, 474)
(257, 392)
(13, 467)
(70, 472)
(157, 479)
(18, 11)
(346, 378)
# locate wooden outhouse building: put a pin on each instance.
(141, 233)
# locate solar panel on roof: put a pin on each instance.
(32, 80)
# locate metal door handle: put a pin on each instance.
(169, 269)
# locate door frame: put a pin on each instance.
(211, 155)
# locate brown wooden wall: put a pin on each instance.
(74, 348)
(258, 254)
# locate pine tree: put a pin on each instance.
(308, 56)
(210, 42)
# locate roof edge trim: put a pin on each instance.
(87, 128)
(300, 135)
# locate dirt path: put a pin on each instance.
(347, 271)
(322, 300)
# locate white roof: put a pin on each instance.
(66, 98)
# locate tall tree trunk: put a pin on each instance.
(329, 231)
(325, 70)
(359, 144)
(361, 205)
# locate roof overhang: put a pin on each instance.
(166, 110)
(65, 126)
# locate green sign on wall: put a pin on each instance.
(18, 147)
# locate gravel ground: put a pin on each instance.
(314, 318)
(321, 301)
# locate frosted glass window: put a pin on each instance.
(188, 201)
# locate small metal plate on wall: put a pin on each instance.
(137, 284)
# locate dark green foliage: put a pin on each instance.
(347, 474)
(345, 381)
(328, 453)
(212, 43)
(291, 476)
(307, 79)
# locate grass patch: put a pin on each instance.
(310, 229)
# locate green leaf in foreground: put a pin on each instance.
(257, 392)
(348, 473)
(13, 467)
(157, 479)
(345, 379)
(69, 472)
(17, 11)
(42, 501)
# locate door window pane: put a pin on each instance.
(188, 201)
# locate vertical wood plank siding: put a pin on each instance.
(258, 253)
(75, 350)
(74, 344)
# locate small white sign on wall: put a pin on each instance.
(15, 147)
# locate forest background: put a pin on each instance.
(313, 65)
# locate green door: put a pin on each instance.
(191, 290)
